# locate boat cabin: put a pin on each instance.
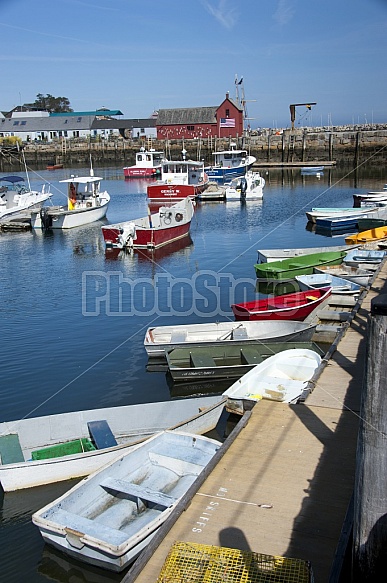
(184, 172)
(230, 158)
(83, 191)
(149, 158)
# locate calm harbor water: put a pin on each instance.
(74, 316)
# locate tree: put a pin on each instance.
(51, 104)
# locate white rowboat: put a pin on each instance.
(53, 435)
(281, 377)
(111, 516)
(162, 339)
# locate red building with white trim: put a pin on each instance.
(223, 121)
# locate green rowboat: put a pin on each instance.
(301, 265)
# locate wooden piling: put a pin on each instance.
(370, 508)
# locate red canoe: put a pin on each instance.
(295, 306)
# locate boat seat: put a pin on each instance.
(295, 264)
(138, 492)
(101, 434)
(250, 356)
(178, 336)
(10, 449)
(240, 333)
(85, 526)
(202, 360)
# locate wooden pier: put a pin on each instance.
(284, 481)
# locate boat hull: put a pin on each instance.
(296, 306)
(158, 341)
(169, 224)
(169, 192)
(148, 238)
(282, 377)
(301, 265)
(373, 234)
(360, 276)
(339, 285)
(61, 218)
(110, 517)
(269, 255)
(134, 172)
(187, 364)
(129, 425)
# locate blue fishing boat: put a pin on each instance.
(229, 164)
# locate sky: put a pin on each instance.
(139, 56)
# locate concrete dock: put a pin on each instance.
(285, 482)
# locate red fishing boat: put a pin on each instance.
(179, 180)
(148, 164)
(169, 224)
(295, 306)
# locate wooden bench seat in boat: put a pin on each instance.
(296, 265)
(202, 360)
(101, 434)
(250, 356)
(81, 525)
(178, 336)
(240, 333)
(138, 492)
(10, 449)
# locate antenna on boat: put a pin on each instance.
(25, 166)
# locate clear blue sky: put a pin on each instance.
(143, 55)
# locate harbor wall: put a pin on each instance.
(287, 146)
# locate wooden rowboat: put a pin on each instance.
(161, 339)
(295, 306)
(302, 265)
(282, 377)
(44, 450)
(109, 518)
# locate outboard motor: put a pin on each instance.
(45, 218)
(243, 186)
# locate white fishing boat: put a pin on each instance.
(268, 255)
(15, 197)
(282, 377)
(247, 187)
(86, 204)
(161, 339)
(110, 517)
(360, 276)
(147, 165)
(53, 448)
(339, 285)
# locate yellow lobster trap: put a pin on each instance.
(196, 563)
